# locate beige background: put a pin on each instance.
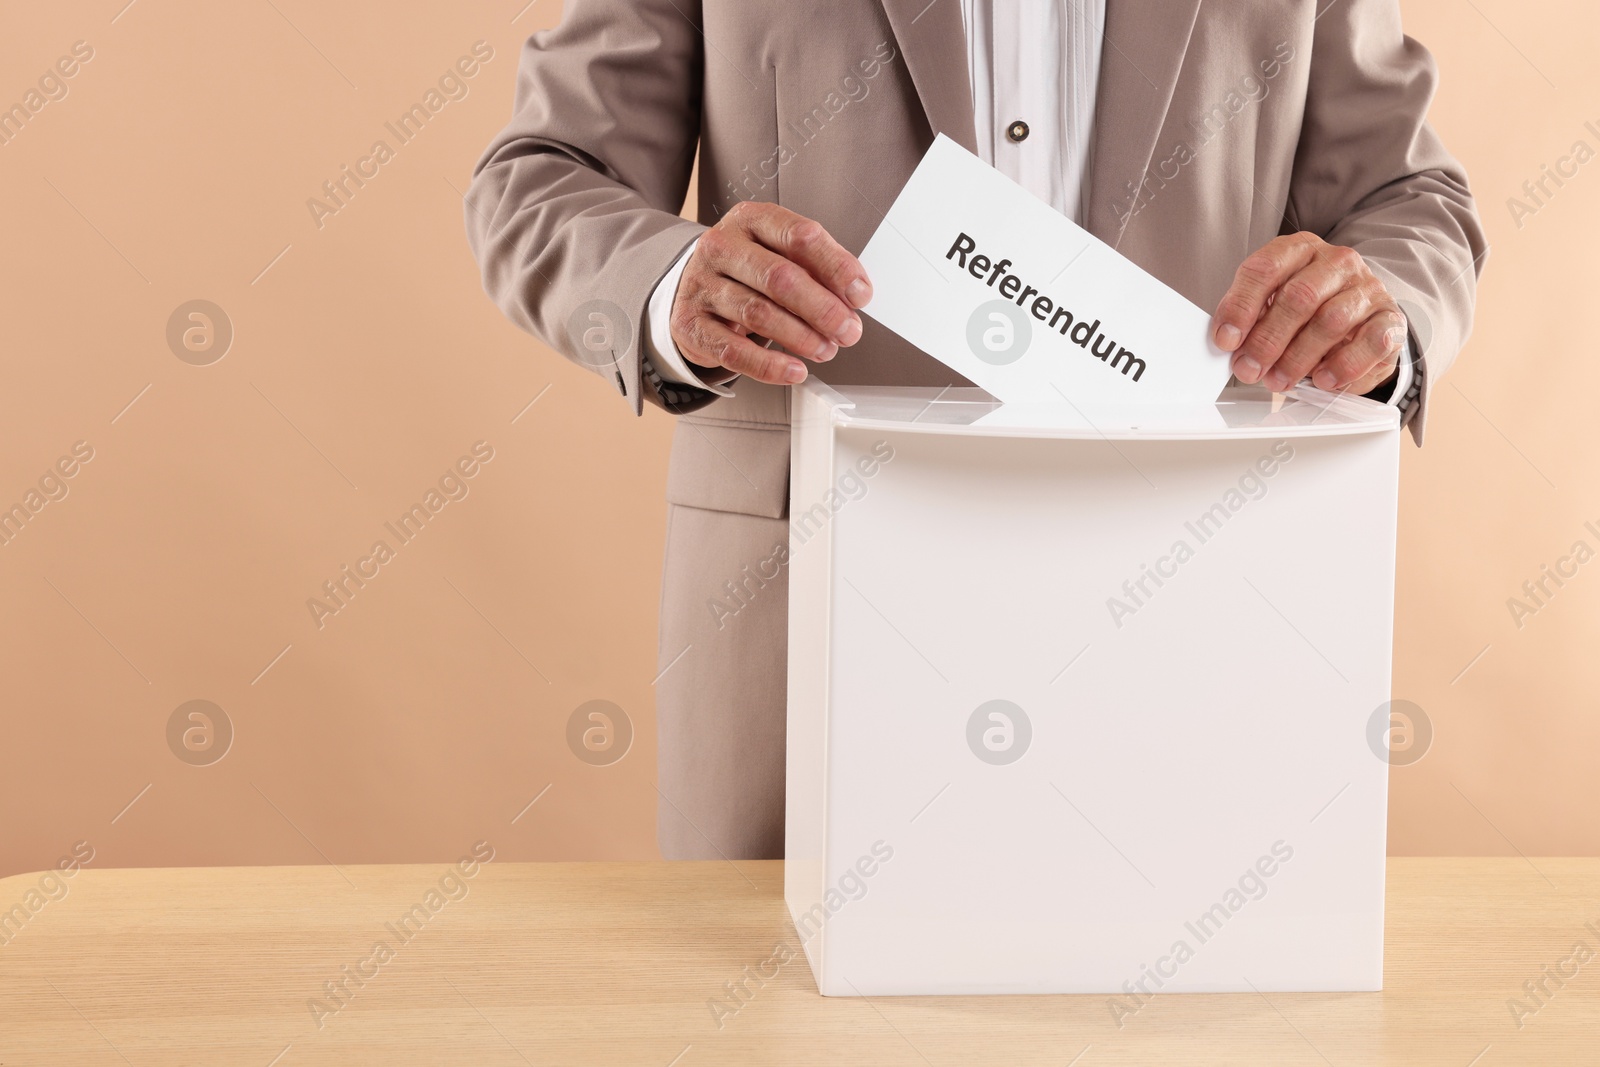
(430, 710)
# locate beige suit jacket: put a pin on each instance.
(1218, 126)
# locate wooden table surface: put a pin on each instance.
(624, 963)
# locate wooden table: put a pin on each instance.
(624, 963)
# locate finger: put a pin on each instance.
(1257, 278)
(1372, 353)
(787, 284)
(808, 243)
(1329, 326)
(738, 303)
(710, 342)
(739, 353)
(1300, 298)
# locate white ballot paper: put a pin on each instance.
(985, 277)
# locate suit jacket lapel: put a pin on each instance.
(1140, 60)
(933, 41)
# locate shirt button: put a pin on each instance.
(1017, 132)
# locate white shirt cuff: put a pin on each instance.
(1406, 371)
(659, 347)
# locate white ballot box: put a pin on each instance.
(1089, 701)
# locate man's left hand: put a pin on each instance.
(1299, 306)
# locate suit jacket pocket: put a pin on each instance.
(726, 466)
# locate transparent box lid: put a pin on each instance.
(1239, 411)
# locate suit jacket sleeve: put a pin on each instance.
(1371, 174)
(572, 211)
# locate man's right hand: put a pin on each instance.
(765, 270)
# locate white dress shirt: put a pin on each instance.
(1035, 68)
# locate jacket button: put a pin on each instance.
(1017, 132)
